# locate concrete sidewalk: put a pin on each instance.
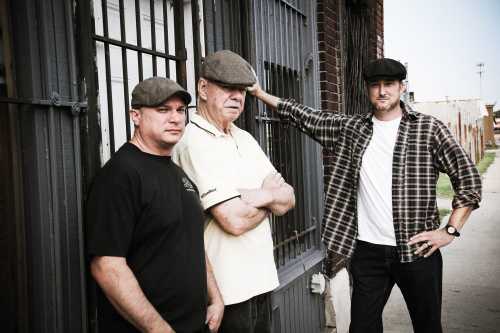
(471, 291)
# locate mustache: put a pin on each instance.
(233, 106)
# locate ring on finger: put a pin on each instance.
(429, 244)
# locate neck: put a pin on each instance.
(390, 114)
(223, 126)
(149, 148)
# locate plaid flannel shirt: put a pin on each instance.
(424, 147)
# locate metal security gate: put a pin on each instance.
(41, 236)
(286, 59)
(124, 42)
(133, 40)
(279, 38)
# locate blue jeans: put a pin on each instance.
(251, 316)
(375, 269)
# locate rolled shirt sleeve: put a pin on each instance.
(200, 165)
(452, 159)
(322, 126)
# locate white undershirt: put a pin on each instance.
(375, 223)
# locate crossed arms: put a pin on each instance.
(241, 214)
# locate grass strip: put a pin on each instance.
(443, 187)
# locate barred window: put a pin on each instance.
(134, 40)
(294, 234)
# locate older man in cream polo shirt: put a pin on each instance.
(239, 188)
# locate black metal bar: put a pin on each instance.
(289, 5)
(109, 92)
(286, 37)
(233, 24)
(43, 102)
(139, 48)
(222, 28)
(104, 8)
(180, 45)
(153, 33)
(296, 37)
(293, 152)
(77, 160)
(274, 56)
(123, 37)
(266, 32)
(209, 26)
(165, 37)
(295, 236)
(195, 13)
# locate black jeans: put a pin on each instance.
(251, 316)
(375, 269)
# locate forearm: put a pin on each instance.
(123, 291)
(258, 198)
(215, 309)
(237, 217)
(268, 99)
(283, 200)
(249, 221)
(214, 296)
(459, 216)
(278, 200)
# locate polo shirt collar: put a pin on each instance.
(205, 125)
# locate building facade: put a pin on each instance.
(465, 120)
(66, 72)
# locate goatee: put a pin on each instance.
(389, 108)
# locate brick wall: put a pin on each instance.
(329, 37)
(331, 31)
(330, 46)
(377, 38)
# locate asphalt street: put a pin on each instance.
(471, 271)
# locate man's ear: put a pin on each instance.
(402, 87)
(202, 89)
(135, 116)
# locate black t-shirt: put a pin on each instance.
(144, 208)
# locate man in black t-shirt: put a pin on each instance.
(145, 227)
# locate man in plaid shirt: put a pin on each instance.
(380, 205)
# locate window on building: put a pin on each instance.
(134, 40)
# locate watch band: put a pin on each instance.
(451, 230)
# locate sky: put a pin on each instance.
(442, 41)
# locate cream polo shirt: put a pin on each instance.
(219, 164)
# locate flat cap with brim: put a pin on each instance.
(156, 90)
(226, 68)
(384, 69)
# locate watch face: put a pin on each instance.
(451, 230)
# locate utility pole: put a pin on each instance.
(406, 95)
(480, 65)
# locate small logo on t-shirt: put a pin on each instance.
(187, 185)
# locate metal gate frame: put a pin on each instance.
(239, 26)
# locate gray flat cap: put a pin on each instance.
(384, 68)
(156, 90)
(226, 68)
